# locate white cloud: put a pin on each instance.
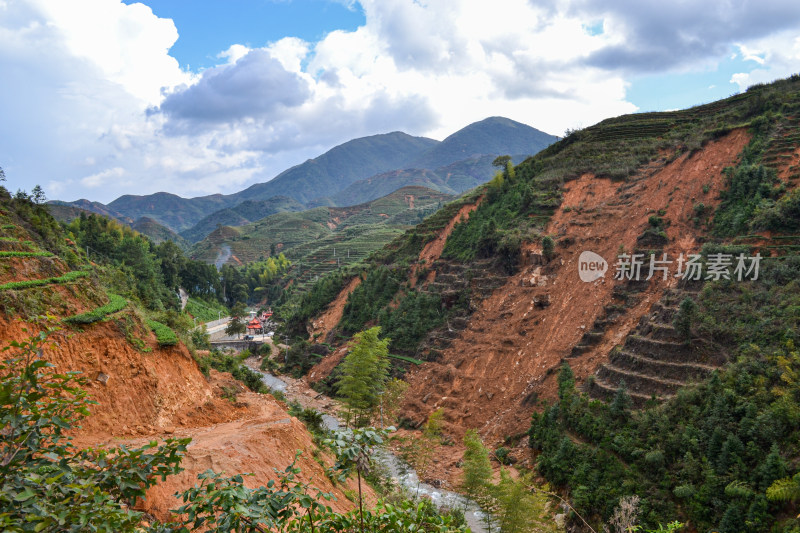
(777, 56)
(80, 75)
(108, 176)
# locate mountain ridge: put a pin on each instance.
(321, 180)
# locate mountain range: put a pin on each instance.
(358, 171)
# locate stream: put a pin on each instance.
(399, 471)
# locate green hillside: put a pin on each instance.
(321, 239)
(707, 455)
(454, 178)
(158, 233)
(170, 210)
(244, 213)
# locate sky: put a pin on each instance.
(100, 98)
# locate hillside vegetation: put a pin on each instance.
(708, 453)
(323, 239)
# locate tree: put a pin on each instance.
(364, 374)
(477, 477)
(354, 450)
(501, 161)
(237, 325)
(46, 484)
(519, 509)
(785, 490)
(684, 318)
(37, 195)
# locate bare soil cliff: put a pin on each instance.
(153, 392)
(494, 372)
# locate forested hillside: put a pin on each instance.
(485, 295)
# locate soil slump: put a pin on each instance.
(492, 375)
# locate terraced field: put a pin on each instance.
(320, 240)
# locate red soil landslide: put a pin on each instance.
(324, 324)
(491, 376)
(156, 394)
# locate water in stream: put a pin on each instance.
(404, 475)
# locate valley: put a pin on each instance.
(436, 287)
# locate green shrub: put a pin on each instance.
(116, 303)
(780, 216)
(25, 254)
(164, 335)
(30, 283)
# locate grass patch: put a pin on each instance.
(30, 283)
(164, 335)
(116, 303)
(205, 310)
(25, 254)
(405, 358)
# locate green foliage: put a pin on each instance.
(46, 484)
(780, 216)
(164, 335)
(364, 303)
(515, 209)
(548, 247)
(477, 470)
(519, 509)
(684, 317)
(116, 303)
(309, 416)
(223, 504)
(749, 185)
(298, 311)
(136, 268)
(200, 338)
(410, 321)
(354, 450)
(713, 450)
(363, 378)
(25, 254)
(27, 284)
(785, 490)
(418, 451)
(205, 309)
(234, 364)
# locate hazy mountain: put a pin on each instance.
(158, 233)
(339, 167)
(66, 211)
(343, 175)
(451, 179)
(244, 213)
(493, 135)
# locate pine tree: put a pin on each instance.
(364, 374)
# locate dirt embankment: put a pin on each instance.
(155, 393)
(324, 324)
(492, 375)
(433, 250)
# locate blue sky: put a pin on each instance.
(103, 97)
(207, 27)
